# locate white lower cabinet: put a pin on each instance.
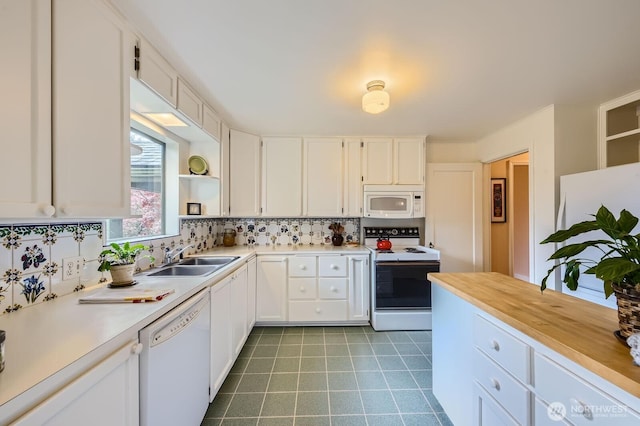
(487, 411)
(271, 294)
(106, 395)
(239, 298)
(221, 348)
(359, 288)
(511, 379)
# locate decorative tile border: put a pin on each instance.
(31, 255)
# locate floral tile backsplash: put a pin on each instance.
(31, 256)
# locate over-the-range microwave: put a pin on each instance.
(393, 201)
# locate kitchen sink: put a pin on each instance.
(185, 271)
(213, 260)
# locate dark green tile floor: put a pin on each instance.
(330, 376)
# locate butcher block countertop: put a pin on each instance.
(581, 331)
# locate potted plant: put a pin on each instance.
(337, 229)
(618, 265)
(120, 261)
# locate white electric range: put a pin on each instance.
(400, 291)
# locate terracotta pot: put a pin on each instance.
(122, 274)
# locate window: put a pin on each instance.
(148, 191)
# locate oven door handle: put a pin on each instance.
(402, 263)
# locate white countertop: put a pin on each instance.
(44, 340)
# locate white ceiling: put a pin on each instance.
(455, 69)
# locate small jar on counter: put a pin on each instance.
(2, 337)
(229, 237)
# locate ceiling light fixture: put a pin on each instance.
(376, 99)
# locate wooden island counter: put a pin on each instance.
(515, 355)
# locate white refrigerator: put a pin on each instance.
(581, 195)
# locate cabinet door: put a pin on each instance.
(244, 174)
(91, 173)
(409, 161)
(110, 389)
(189, 103)
(211, 122)
(251, 295)
(281, 176)
(221, 350)
(271, 299)
(25, 110)
(322, 195)
(352, 178)
(157, 74)
(378, 161)
(239, 298)
(488, 412)
(359, 288)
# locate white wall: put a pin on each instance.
(444, 151)
(560, 140)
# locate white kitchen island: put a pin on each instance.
(503, 353)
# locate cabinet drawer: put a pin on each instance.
(544, 416)
(311, 310)
(488, 412)
(302, 288)
(332, 288)
(505, 349)
(585, 404)
(302, 266)
(332, 266)
(510, 393)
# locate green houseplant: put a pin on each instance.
(120, 261)
(618, 266)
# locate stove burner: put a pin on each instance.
(413, 250)
(384, 251)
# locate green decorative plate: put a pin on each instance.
(198, 165)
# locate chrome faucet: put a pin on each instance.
(169, 254)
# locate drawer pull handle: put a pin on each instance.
(333, 289)
(583, 408)
(495, 345)
(302, 267)
(318, 310)
(302, 289)
(334, 267)
(495, 384)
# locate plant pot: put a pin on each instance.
(122, 275)
(337, 239)
(628, 299)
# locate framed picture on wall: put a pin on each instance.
(498, 200)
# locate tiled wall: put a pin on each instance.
(31, 256)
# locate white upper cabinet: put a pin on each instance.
(189, 103)
(25, 118)
(619, 131)
(157, 73)
(322, 180)
(244, 174)
(281, 176)
(91, 68)
(211, 122)
(409, 161)
(352, 178)
(394, 161)
(378, 161)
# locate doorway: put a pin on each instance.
(509, 240)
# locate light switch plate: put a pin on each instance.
(71, 267)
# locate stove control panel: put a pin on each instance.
(410, 232)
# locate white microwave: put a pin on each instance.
(394, 201)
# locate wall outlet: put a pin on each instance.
(71, 267)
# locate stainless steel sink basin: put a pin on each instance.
(185, 271)
(212, 260)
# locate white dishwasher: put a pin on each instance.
(174, 365)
